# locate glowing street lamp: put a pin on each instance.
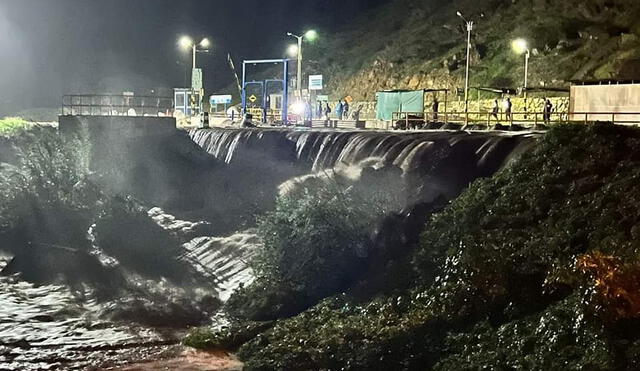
(520, 46)
(311, 36)
(186, 42)
(466, 80)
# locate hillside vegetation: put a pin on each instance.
(421, 44)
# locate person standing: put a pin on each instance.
(548, 108)
(308, 113)
(508, 107)
(345, 110)
(327, 114)
(319, 110)
(435, 107)
(339, 108)
(495, 110)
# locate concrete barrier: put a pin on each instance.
(120, 126)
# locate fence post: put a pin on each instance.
(613, 118)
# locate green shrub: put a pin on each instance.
(498, 282)
(227, 338)
(315, 244)
(10, 126)
(558, 337)
(47, 197)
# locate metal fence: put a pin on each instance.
(414, 119)
(116, 105)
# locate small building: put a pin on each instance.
(615, 101)
(182, 101)
(390, 102)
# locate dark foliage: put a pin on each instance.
(532, 269)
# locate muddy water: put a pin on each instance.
(52, 327)
(48, 327)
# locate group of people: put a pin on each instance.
(508, 110)
(323, 110)
(342, 109)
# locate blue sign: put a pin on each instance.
(220, 99)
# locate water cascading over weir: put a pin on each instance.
(432, 163)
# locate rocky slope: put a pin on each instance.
(421, 44)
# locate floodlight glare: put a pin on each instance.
(185, 42)
(520, 46)
(292, 50)
(311, 35)
(205, 43)
(298, 108)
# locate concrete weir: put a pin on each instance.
(118, 126)
(112, 136)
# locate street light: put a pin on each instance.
(520, 46)
(310, 35)
(187, 43)
(466, 80)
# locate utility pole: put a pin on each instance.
(186, 42)
(520, 46)
(466, 80)
(309, 35)
(195, 50)
(526, 78)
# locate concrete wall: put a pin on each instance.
(118, 126)
(113, 139)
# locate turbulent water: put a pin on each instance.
(323, 149)
(433, 163)
(54, 327)
(49, 327)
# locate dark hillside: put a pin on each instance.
(421, 43)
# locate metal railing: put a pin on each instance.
(417, 119)
(116, 105)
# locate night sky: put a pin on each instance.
(53, 47)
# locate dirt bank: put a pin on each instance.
(190, 360)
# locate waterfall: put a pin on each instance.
(321, 150)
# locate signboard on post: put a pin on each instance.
(322, 98)
(315, 82)
(196, 79)
(220, 99)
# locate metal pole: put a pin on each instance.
(194, 56)
(466, 81)
(244, 87)
(285, 95)
(526, 80)
(299, 67)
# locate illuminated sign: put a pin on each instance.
(315, 82)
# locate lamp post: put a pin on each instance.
(202, 47)
(466, 80)
(520, 46)
(310, 36)
(187, 43)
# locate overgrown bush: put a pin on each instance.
(10, 126)
(316, 242)
(47, 197)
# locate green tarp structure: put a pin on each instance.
(398, 101)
